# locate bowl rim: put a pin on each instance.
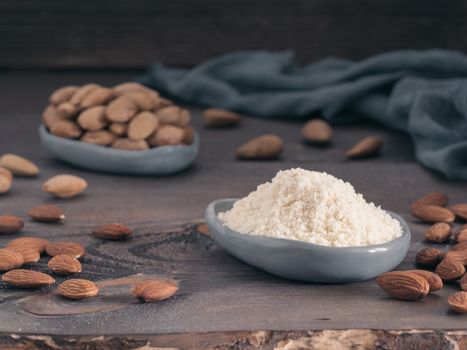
(224, 230)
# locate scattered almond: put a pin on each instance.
(263, 147)
(366, 147)
(35, 243)
(428, 256)
(432, 213)
(30, 255)
(438, 233)
(64, 186)
(18, 165)
(459, 246)
(459, 255)
(98, 96)
(433, 279)
(46, 213)
(7, 173)
(93, 119)
(10, 224)
(154, 290)
(73, 249)
(174, 115)
(460, 210)
(121, 110)
(463, 282)
(130, 145)
(9, 259)
(6, 181)
(458, 302)
(82, 92)
(216, 117)
(66, 110)
(403, 285)
(142, 125)
(203, 229)
(78, 289)
(317, 131)
(434, 198)
(100, 137)
(450, 269)
(66, 128)
(27, 278)
(62, 94)
(113, 231)
(64, 265)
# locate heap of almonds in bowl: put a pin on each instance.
(447, 266)
(128, 116)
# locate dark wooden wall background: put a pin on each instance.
(134, 33)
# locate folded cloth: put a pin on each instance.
(423, 93)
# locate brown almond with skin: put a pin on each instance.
(450, 269)
(30, 255)
(121, 110)
(432, 213)
(93, 118)
(366, 147)
(435, 198)
(459, 255)
(458, 302)
(438, 233)
(114, 231)
(463, 282)
(9, 259)
(459, 246)
(27, 279)
(119, 129)
(154, 290)
(130, 145)
(66, 128)
(73, 249)
(317, 131)
(142, 125)
(162, 103)
(5, 183)
(35, 243)
(66, 110)
(128, 86)
(203, 229)
(433, 279)
(98, 96)
(18, 165)
(100, 137)
(428, 256)
(78, 289)
(460, 210)
(461, 236)
(62, 94)
(403, 285)
(262, 147)
(10, 224)
(64, 186)
(82, 92)
(144, 99)
(50, 116)
(188, 136)
(174, 115)
(64, 265)
(167, 135)
(7, 173)
(46, 213)
(220, 118)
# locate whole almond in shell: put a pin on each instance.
(5, 182)
(97, 96)
(432, 213)
(142, 125)
(154, 290)
(262, 147)
(9, 259)
(460, 210)
(64, 265)
(62, 94)
(317, 131)
(458, 302)
(174, 115)
(27, 279)
(50, 116)
(145, 99)
(366, 147)
(18, 165)
(119, 129)
(114, 231)
(66, 128)
(30, 255)
(403, 285)
(64, 186)
(434, 198)
(82, 92)
(77, 289)
(220, 118)
(463, 282)
(66, 110)
(35, 243)
(93, 118)
(10, 224)
(130, 145)
(167, 135)
(450, 269)
(73, 249)
(46, 213)
(100, 137)
(433, 279)
(438, 233)
(428, 256)
(121, 110)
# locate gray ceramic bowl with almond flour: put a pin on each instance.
(305, 261)
(162, 160)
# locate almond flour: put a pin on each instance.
(312, 207)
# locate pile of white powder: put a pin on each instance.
(312, 207)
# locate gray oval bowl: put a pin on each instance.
(305, 261)
(157, 161)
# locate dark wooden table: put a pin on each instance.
(222, 301)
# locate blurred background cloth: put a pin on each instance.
(423, 93)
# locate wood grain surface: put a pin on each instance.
(218, 293)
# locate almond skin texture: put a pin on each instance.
(62, 94)
(9, 259)
(366, 147)
(35, 243)
(459, 255)
(317, 131)
(220, 118)
(10, 224)
(64, 265)
(174, 115)
(30, 255)
(113, 231)
(73, 249)
(461, 236)
(450, 269)
(101, 137)
(121, 110)
(82, 92)
(78, 289)
(460, 210)
(66, 129)
(459, 246)
(5, 182)
(458, 302)
(142, 125)
(262, 147)
(154, 290)
(438, 233)
(27, 279)
(97, 96)
(46, 213)
(64, 186)
(403, 285)
(18, 165)
(433, 279)
(93, 119)
(66, 110)
(167, 135)
(50, 116)
(428, 256)
(463, 282)
(434, 198)
(432, 213)
(130, 145)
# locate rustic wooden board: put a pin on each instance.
(121, 33)
(218, 292)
